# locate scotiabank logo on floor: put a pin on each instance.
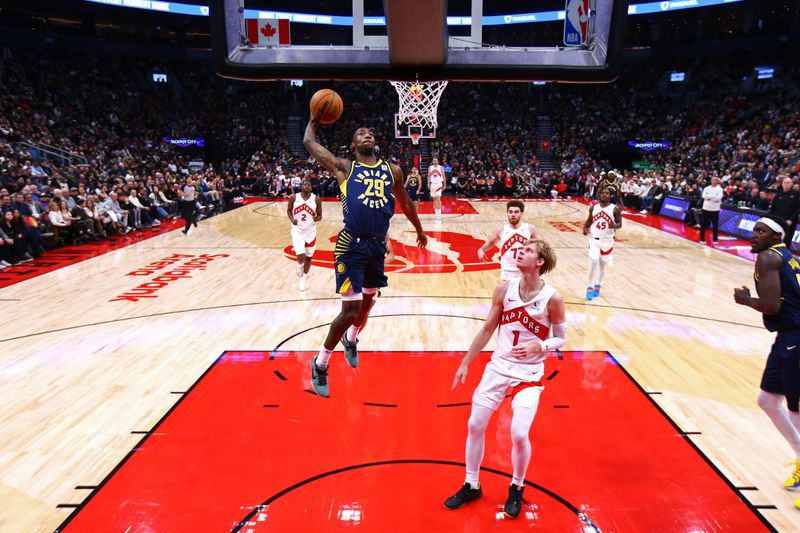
(163, 272)
(447, 251)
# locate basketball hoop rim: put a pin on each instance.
(419, 99)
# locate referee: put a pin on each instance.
(188, 200)
(785, 207)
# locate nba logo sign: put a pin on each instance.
(576, 23)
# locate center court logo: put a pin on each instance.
(447, 252)
(169, 269)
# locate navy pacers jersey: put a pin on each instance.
(788, 318)
(367, 199)
(613, 187)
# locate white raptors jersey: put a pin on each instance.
(304, 211)
(521, 323)
(435, 177)
(511, 240)
(602, 221)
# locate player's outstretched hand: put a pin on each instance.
(461, 375)
(526, 350)
(481, 255)
(741, 295)
(422, 240)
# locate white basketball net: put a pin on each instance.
(419, 101)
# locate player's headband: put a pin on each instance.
(771, 224)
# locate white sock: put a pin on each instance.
(478, 420)
(323, 357)
(592, 270)
(352, 333)
(786, 422)
(521, 422)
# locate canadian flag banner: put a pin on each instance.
(268, 32)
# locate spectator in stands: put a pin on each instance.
(15, 239)
(82, 221)
(461, 183)
(712, 202)
(508, 184)
(98, 221)
(111, 208)
(165, 207)
(78, 223)
(62, 228)
(655, 197)
(6, 250)
(142, 215)
(785, 207)
(70, 198)
(760, 201)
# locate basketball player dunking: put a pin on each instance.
(304, 213)
(369, 187)
(511, 238)
(777, 278)
(601, 225)
(436, 186)
(530, 318)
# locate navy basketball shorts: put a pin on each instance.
(782, 373)
(358, 262)
(412, 194)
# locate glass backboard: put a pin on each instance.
(462, 40)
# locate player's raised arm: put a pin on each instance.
(493, 239)
(323, 156)
(484, 334)
(406, 205)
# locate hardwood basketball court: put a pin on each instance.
(181, 404)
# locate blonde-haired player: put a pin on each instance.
(601, 225)
(530, 318)
(436, 186)
(304, 211)
(511, 238)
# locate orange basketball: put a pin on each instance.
(326, 106)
